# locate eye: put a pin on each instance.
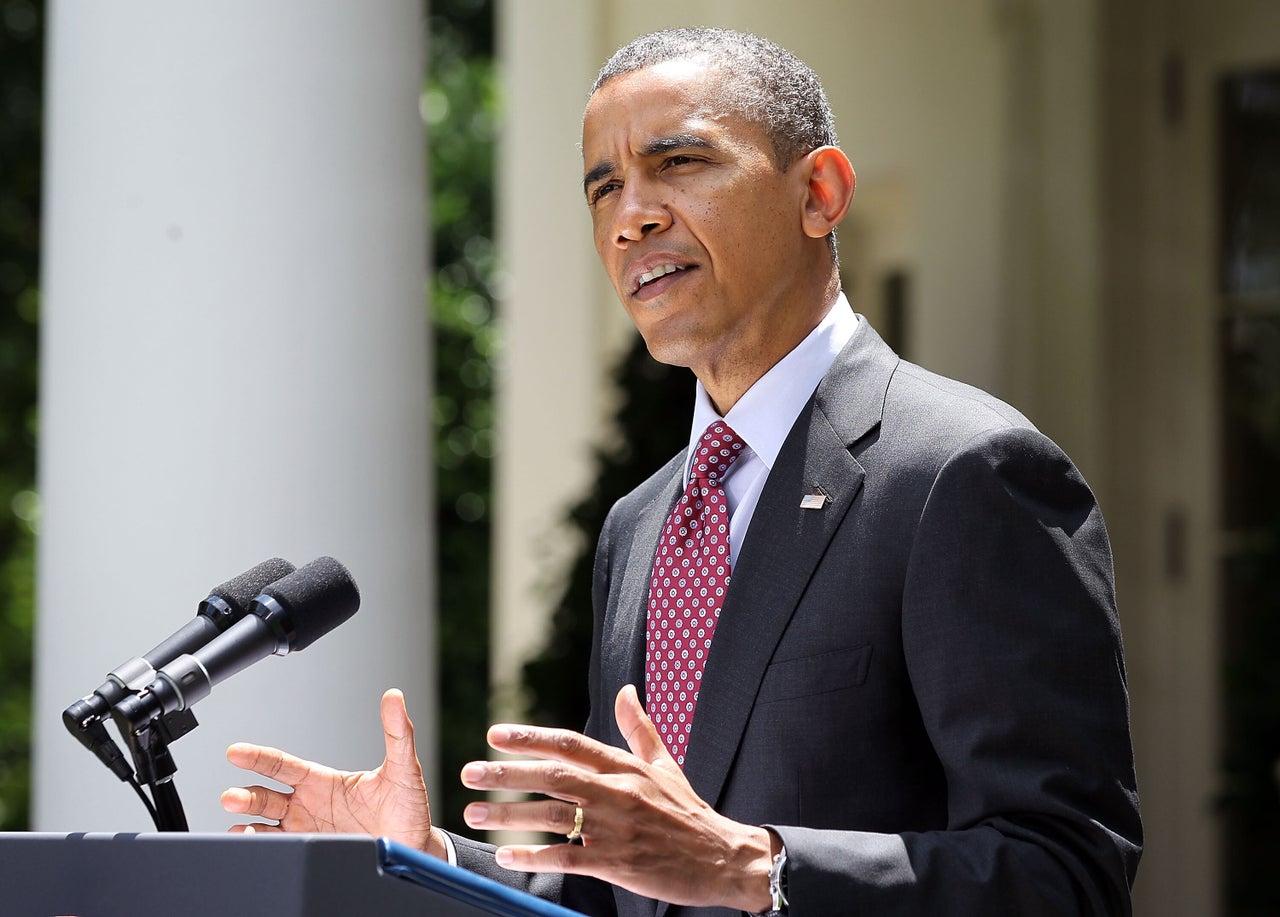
(679, 160)
(600, 190)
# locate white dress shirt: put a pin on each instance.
(763, 416)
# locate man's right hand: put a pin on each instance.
(389, 801)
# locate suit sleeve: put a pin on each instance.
(1012, 645)
(579, 893)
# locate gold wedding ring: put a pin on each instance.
(577, 824)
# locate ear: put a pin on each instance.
(830, 190)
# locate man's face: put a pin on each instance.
(698, 229)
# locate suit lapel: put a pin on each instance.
(624, 643)
(783, 547)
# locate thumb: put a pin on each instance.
(641, 735)
(397, 732)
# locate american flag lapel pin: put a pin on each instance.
(816, 500)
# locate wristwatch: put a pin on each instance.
(777, 886)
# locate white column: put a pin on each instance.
(550, 394)
(234, 366)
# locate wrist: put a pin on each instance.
(778, 904)
(750, 889)
(436, 845)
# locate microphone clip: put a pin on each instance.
(148, 735)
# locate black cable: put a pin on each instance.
(168, 806)
(151, 810)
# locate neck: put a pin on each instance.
(729, 375)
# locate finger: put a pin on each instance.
(550, 778)
(255, 829)
(270, 762)
(549, 815)
(634, 724)
(397, 731)
(544, 858)
(255, 800)
(559, 745)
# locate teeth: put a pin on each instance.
(657, 272)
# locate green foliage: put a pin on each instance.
(21, 62)
(460, 108)
(654, 413)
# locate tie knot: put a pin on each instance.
(717, 450)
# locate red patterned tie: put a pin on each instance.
(690, 576)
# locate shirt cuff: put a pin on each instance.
(451, 852)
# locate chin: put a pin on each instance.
(669, 350)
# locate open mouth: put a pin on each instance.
(657, 273)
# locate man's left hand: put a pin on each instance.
(643, 827)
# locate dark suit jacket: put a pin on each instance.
(920, 686)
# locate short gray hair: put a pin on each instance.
(767, 84)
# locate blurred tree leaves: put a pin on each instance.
(459, 105)
(21, 63)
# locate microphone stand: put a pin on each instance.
(148, 736)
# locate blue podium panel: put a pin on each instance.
(460, 885)
(213, 875)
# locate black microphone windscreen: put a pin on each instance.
(317, 598)
(240, 592)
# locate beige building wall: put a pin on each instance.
(1162, 60)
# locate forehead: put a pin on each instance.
(670, 97)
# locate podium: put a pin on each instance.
(213, 875)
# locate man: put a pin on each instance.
(870, 609)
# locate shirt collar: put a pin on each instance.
(765, 414)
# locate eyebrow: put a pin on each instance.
(655, 147)
(597, 172)
(675, 142)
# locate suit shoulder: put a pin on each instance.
(947, 405)
(963, 436)
(930, 422)
(932, 417)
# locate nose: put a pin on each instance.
(639, 212)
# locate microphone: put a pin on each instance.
(224, 606)
(287, 616)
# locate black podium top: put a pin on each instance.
(213, 875)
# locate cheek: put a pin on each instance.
(599, 228)
(758, 230)
(610, 261)
(606, 252)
